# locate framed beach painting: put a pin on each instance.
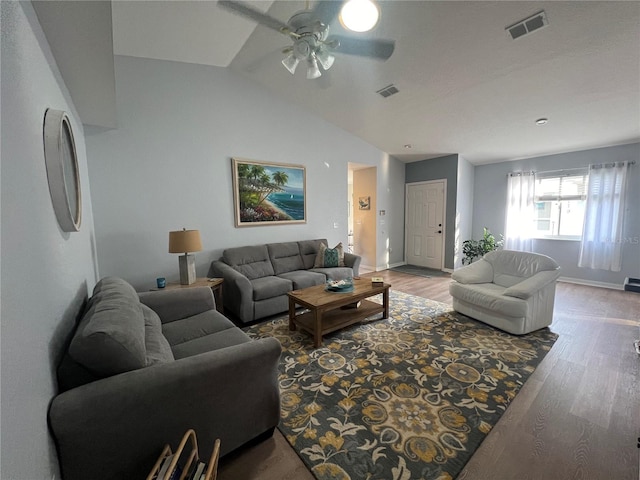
(268, 193)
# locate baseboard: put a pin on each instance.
(367, 269)
(400, 264)
(591, 283)
(394, 265)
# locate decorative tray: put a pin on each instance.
(342, 286)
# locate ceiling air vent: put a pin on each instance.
(388, 90)
(528, 25)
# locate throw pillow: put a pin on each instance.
(329, 257)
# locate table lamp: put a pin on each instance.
(185, 241)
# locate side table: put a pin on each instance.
(214, 283)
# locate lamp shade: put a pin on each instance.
(184, 241)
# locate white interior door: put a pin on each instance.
(424, 224)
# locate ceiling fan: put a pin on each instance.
(312, 43)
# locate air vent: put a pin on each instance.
(528, 25)
(388, 90)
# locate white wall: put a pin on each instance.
(464, 207)
(46, 274)
(168, 166)
(390, 245)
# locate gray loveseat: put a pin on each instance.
(143, 368)
(258, 277)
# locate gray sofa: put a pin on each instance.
(258, 277)
(143, 368)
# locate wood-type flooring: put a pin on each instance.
(577, 417)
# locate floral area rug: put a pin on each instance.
(409, 397)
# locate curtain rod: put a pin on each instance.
(519, 174)
(611, 164)
(574, 169)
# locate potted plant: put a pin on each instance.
(472, 249)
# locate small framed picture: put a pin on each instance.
(364, 203)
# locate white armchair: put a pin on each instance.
(510, 290)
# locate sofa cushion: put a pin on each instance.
(197, 326)
(252, 261)
(110, 338)
(489, 296)
(335, 273)
(268, 287)
(112, 287)
(309, 251)
(208, 343)
(329, 257)
(304, 278)
(285, 257)
(156, 345)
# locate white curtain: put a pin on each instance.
(602, 231)
(520, 211)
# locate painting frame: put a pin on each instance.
(268, 193)
(364, 203)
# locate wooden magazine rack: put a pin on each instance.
(183, 463)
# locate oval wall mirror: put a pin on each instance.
(62, 169)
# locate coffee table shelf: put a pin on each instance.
(330, 311)
(333, 320)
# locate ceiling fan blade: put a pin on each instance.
(327, 10)
(255, 15)
(375, 48)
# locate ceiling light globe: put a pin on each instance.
(325, 59)
(359, 15)
(312, 70)
(290, 63)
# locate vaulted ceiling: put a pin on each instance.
(465, 86)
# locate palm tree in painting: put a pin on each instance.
(280, 178)
(255, 185)
(256, 171)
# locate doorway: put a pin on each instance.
(362, 229)
(424, 223)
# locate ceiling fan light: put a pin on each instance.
(359, 15)
(325, 59)
(313, 71)
(290, 62)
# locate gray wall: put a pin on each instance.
(437, 169)
(491, 194)
(46, 274)
(168, 166)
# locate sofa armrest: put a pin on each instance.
(352, 260)
(238, 290)
(531, 285)
(117, 427)
(171, 305)
(478, 272)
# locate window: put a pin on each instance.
(560, 202)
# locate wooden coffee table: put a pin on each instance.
(325, 314)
